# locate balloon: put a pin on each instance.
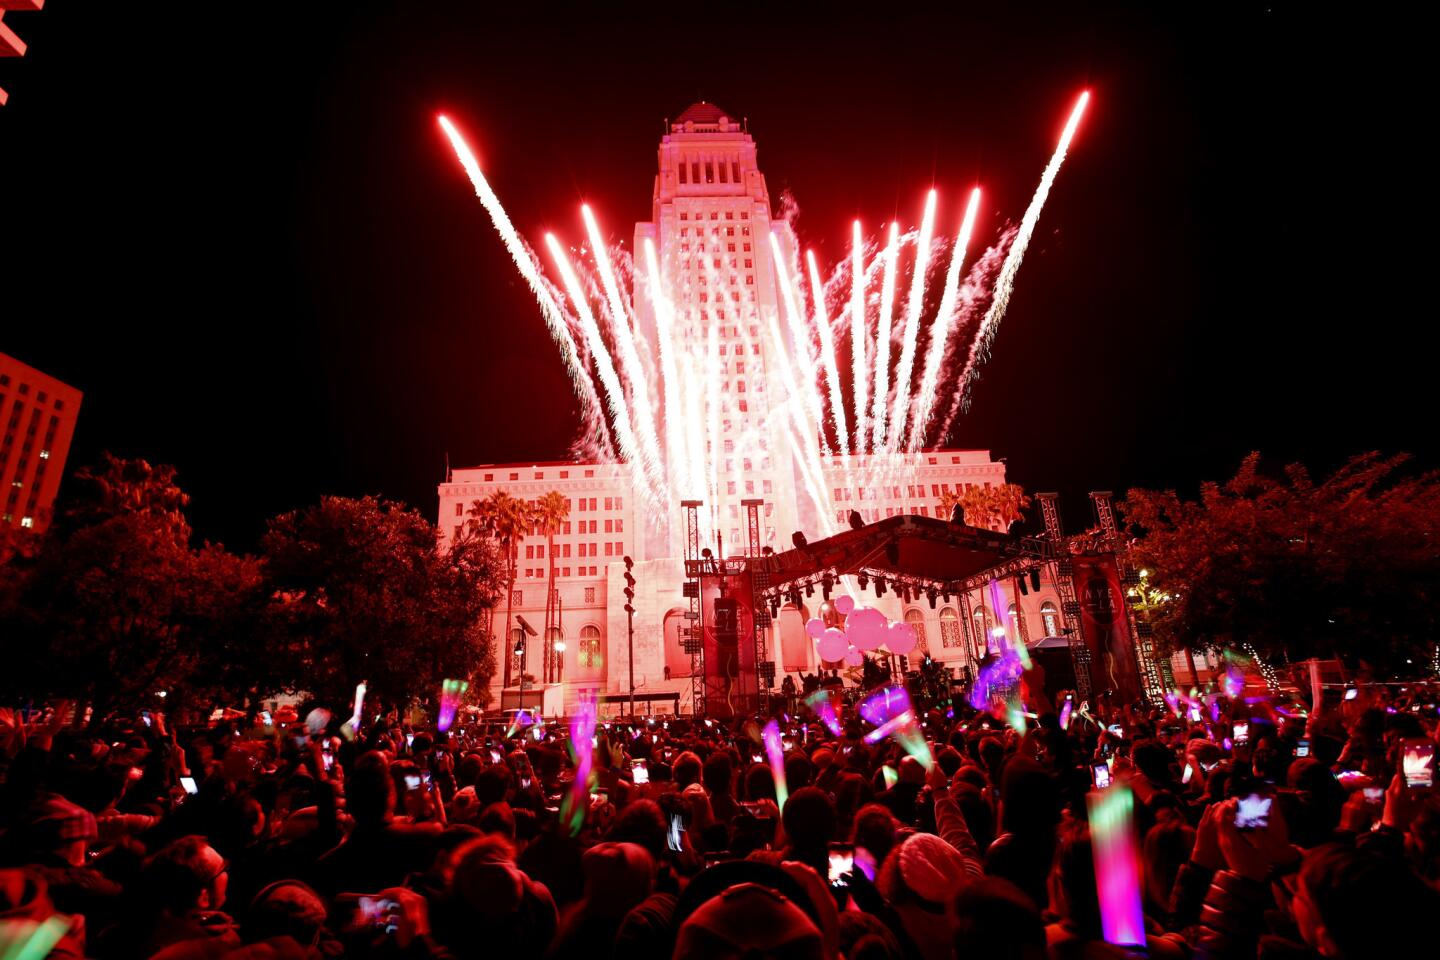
(866, 628)
(815, 627)
(854, 658)
(843, 605)
(832, 645)
(900, 638)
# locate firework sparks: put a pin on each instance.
(940, 328)
(882, 339)
(910, 331)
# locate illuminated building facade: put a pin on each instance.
(37, 415)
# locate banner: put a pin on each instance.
(728, 613)
(1106, 629)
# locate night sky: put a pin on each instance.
(240, 232)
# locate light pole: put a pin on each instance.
(630, 626)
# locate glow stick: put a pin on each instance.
(1065, 712)
(359, 706)
(582, 743)
(1117, 868)
(890, 775)
(819, 701)
(450, 693)
(889, 710)
(776, 755)
(39, 938)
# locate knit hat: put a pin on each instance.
(287, 908)
(929, 867)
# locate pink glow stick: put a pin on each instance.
(1117, 868)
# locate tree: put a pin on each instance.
(991, 508)
(112, 604)
(364, 590)
(551, 511)
(1344, 568)
(505, 520)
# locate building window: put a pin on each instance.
(517, 598)
(459, 505)
(589, 594)
(590, 655)
(1050, 617)
(916, 620)
(950, 633)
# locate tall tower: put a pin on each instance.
(711, 228)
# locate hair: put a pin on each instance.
(1168, 845)
(369, 791)
(175, 875)
(759, 783)
(492, 784)
(809, 819)
(1074, 875)
(718, 772)
(798, 770)
(499, 819)
(686, 769)
(875, 828)
(994, 919)
(1369, 906)
(643, 824)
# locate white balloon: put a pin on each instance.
(844, 604)
(832, 645)
(900, 638)
(866, 628)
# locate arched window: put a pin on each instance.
(1050, 616)
(982, 635)
(916, 619)
(589, 653)
(950, 632)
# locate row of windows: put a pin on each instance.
(715, 215)
(539, 475)
(41, 396)
(579, 505)
(914, 491)
(728, 170)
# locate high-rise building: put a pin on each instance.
(735, 440)
(37, 414)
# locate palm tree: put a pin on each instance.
(505, 519)
(551, 511)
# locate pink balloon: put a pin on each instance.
(900, 638)
(815, 627)
(866, 628)
(844, 604)
(854, 658)
(832, 645)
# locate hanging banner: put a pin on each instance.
(1106, 630)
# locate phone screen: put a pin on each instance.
(677, 827)
(842, 861)
(1419, 763)
(1352, 693)
(409, 739)
(412, 781)
(380, 913)
(188, 783)
(266, 719)
(1302, 748)
(640, 772)
(1101, 775)
(1374, 795)
(327, 758)
(1189, 772)
(496, 756)
(1253, 812)
(1242, 733)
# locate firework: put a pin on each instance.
(940, 327)
(901, 408)
(882, 339)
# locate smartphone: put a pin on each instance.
(1351, 693)
(1241, 733)
(842, 861)
(412, 781)
(1253, 812)
(677, 827)
(1375, 796)
(409, 739)
(327, 759)
(524, 783)
(496, 756)
(1116, 730)
(1194, 714)
(266, 719)
(188, 783)
(145, 716)
(1302, 747)
(379, 913)
(640, 772)
(1189, 772)
(1418, 763)
(1100, 773)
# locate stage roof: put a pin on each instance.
(908, 548)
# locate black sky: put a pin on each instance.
(240, 233)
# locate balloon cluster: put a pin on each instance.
(865, 629)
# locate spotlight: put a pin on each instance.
(825, 586)
(809, 589)
(945, 594)
(1024, 589)
(863, 580)
(706, 553)
(798, 539)
(930, 595)
(767, 551)
(1035, 579)
(856, 521)
(879, 587)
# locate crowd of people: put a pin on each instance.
(1262, 829)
